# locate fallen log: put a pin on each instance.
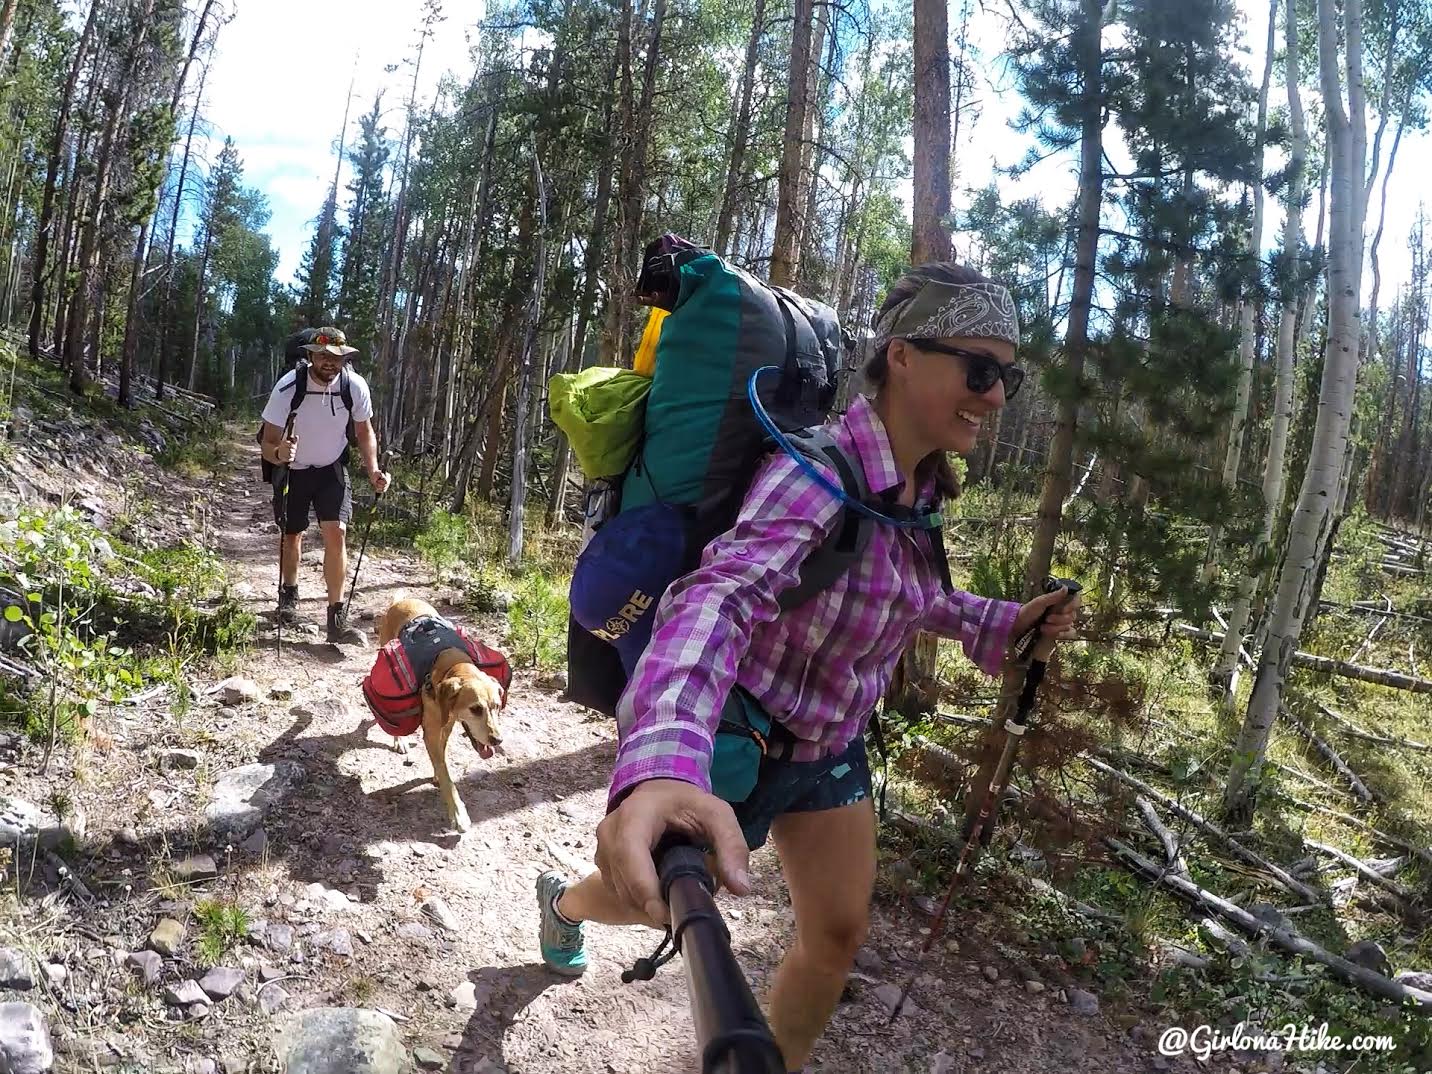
(1173, 851)
(1282, 938)
(1378, 676)
(1368, 736)
(1422, 853)
(1362, 869)
(1332, 756)
(1238, 850)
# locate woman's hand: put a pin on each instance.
(1058, 624)
(626, 836)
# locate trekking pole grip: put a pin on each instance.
(731, 1032)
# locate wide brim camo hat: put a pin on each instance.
(330, 341)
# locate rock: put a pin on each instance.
(184, 994)
(464, 997)
(243, 796)
(279, 938)
(1078, 947)
(889, 995)
(15, 970)
(415, 931)
(327, 898)
(1034, 987)
(198, 1010)
(167, 937)
(341, 1040)
(127, 836)
(21, 822)
(255, 844)
(195, 868)
(1084, 1002)
(24, 1040)
(146, 964)
(55, 974)
(220, 982)
(1370, 955)
(281, 691)
(991, 974)
(1270, 915)
(868, 961)
(439, 912)
(272, 998)
(943, 1062)
(232, 1064)
(339, 942)
(185, 759)
(206, 1066)
(239, 691)
(427, 1059)
(269, 973)
(1415, 979)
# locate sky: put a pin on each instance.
(286, 124)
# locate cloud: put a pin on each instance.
(280, 80)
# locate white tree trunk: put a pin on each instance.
(1315, 512)
(1226, 670)
(1247, 314)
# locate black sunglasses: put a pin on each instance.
(982, 371)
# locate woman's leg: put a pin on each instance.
(828, 858)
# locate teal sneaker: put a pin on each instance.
(563, 947)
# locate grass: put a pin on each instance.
(222, 926)
(469, 552)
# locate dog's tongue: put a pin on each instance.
(484, 750)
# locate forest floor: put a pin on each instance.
(337, 872)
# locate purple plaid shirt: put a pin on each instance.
(820, 668)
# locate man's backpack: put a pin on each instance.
(702, 443)
(297, 357)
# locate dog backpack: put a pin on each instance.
(700, 447)
(393, 688)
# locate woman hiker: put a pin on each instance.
(944, 356)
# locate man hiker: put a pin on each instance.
(311, 467)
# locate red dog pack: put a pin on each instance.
(393, 688)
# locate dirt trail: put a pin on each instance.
(367, 822)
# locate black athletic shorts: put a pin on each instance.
(326, 488)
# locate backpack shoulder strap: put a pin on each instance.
(345, 389)
(847, 543)
(300, 388)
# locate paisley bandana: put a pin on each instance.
(983, 310)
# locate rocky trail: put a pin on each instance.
(374, 939)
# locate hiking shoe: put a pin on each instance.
(563, 947)
(339, 632)
(288, 605)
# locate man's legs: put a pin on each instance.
(292, 549)
(335, 559)
(828, 859)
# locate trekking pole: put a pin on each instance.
(1014, 729)
(732, 1034)
(367, 529)
(285, 469)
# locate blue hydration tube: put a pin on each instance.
(925, 522)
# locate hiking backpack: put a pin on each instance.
(298, 361)
(404, 666)
(700, 447)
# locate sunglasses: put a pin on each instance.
(982, 371)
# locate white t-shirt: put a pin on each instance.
(321, 423)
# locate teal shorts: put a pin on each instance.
(803, 787)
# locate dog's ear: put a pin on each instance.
(447, 693)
